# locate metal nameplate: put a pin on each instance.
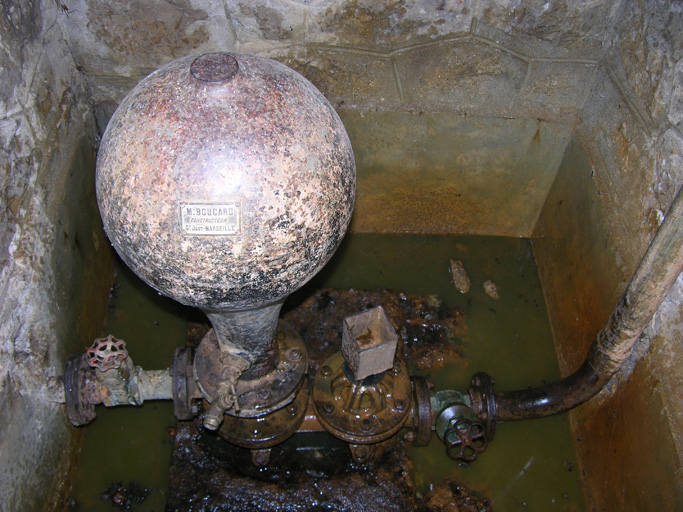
(210, 218)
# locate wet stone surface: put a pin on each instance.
(315, 471)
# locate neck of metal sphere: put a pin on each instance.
(250, 334)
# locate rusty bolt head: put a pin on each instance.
(366, 424)
(361, 452)
(294, 354)
(328, 407)
(325, 371)
(260, 458)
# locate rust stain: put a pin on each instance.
(133, 33)
(373, 25)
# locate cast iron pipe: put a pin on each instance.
(658, 270)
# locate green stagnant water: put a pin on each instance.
(530, 465)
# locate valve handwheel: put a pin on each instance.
(107, 353)
(465, 440)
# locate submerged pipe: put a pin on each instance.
(658, 270)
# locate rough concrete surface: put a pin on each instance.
(361, 53)
(599, 218)
(435, 173)
(45, 141)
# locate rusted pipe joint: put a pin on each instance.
(85, 387)
(483, 401)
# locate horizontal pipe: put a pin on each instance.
(658, 270)
(151, 385)
(155, 385)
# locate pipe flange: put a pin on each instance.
(261, 395)
(79, 409)
(423, 419)
(268, 430)
(365, 411)
(483, 401)
(184, 390)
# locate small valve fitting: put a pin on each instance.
(105, 374)
(457, 425)
(106, 353)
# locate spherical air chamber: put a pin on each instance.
(225, 181)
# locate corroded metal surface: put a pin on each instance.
(267, 430)
(363, 411)
(85, 385)
(483, 401)
(313, 470)
(249, 335)
(106, 353)
(421, 415)
(155, 384)
(81, 390)
(465, 439)
(185, 391)
(264, 393)
(227, 194)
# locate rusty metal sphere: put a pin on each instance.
(225, 181)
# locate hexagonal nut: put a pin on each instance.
(369, 343)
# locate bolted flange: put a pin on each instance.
(185, 392)
(361, 411)
(260, 395)
(267, 430)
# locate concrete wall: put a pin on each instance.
(612, 191)
(53, 255)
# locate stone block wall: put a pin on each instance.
(613, 190)
(53, 254)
